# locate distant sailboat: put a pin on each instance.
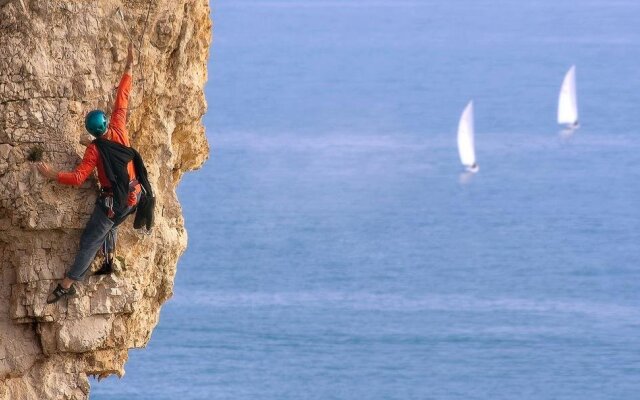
(568, 101)
(466, 146)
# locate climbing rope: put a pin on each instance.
(139, 45)
(141, 55)
(126, 28)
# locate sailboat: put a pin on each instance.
(466, 146)
(568, 101)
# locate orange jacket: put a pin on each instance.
(116, 132)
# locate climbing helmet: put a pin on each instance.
(96, 123)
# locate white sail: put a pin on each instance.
(466, 146)
(567, 100)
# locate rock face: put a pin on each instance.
(58, 60)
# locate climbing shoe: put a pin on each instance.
(106, 269)
(59, 292)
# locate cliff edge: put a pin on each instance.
(58, 60)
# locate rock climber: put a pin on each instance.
(108, 214)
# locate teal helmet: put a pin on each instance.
(96, 123)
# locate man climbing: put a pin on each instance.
(120, 190)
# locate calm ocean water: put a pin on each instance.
(334, 253)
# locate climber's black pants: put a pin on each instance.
(92, 238)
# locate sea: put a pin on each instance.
(337, 249)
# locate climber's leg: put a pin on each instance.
(67, 282)
(109, 245)
(92, 238)
(113, 237)
(109, 248)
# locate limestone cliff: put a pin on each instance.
(58, 60)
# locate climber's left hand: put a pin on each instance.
(46, 170)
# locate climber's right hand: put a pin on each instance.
(130, 54)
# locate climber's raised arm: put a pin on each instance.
(118, 121)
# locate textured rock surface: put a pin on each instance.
(58, 60)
